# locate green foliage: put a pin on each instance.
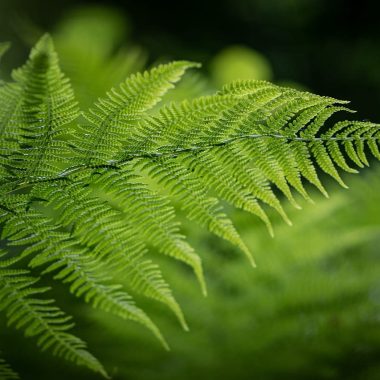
(85, 195)
(239, 62)
(6, 372)
(84, 57)
(309, 311)
(25, 310)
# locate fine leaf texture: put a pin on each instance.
(84, 196)
(20, 301)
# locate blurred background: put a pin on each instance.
(311, 310)
(331, 47)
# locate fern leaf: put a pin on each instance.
(87, 275)
(39, 317)
(253, 120)
(85, 203)
(152, 217)
(111, 118)
(40, 108)
(114, 240)
(10, 103)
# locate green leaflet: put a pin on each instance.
(84, 200)
(39, 318)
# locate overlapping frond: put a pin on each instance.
(38, 317)
(36, 112)
(240, 142)
(152, 216)
(86, 203)
(71, 257)
(111, 118)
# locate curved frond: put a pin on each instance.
(86, 203)
(111, 118)
(37, 317)
(38, 109)
(72, 261)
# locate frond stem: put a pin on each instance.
(174, 152)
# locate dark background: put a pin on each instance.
(330, 46)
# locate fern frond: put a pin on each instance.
(6, 372)
(278, 135)
(72, 261)
(39, 318)
(153, 218)
(85, 203)
(264, 121)
(39, 108)
(192, 195)
(111, 117)
(10, 103)
(116, 238)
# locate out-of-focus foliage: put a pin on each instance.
(6, 372)
(239, 62)
(4, 46)
(91, 44)
(332, 47)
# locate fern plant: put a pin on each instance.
(84, 194)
